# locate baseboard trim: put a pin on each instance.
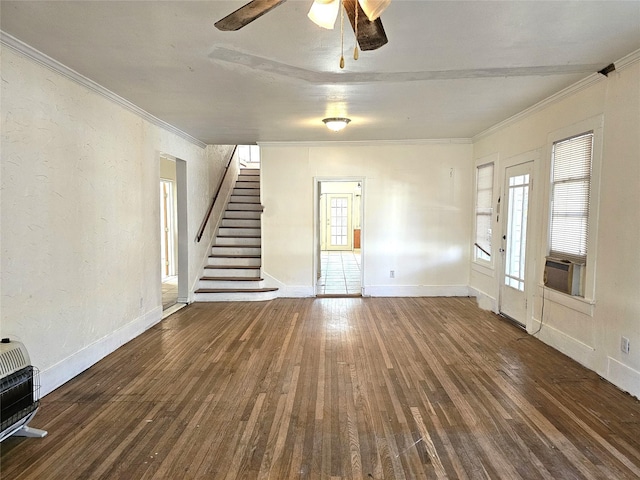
(579, 351)
(484, 300)
(416, 291)
(623, 377)
(63, 371)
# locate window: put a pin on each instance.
(570, 192)
(484, 199)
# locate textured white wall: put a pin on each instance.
(588, 333)
(80, 217)
(417, 201)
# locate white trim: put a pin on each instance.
(556, 97)
(483, 268)
(594, 124)
(628, 60)
(78, 362)
(623, 376)
(484, 300)
(577, 350)
(578, 304)
(46, 61)
(417, 291)
(288, 291)
(364, 143)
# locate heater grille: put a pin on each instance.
(12, 359)
(19, 396)
(19, 391)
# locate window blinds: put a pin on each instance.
(571, 180)
(484, 196)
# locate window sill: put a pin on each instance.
(486, 269)
(582, 305)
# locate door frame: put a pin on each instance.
(533, 234)
(181, 214)
(317, 242)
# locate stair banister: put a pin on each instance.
(205, 220)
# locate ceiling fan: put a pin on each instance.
(365, 22)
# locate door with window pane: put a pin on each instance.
(339, 233)
(513, 292)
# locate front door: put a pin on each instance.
(513, 291)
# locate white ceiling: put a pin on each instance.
(451, 69)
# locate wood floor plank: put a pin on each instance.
(332, 388)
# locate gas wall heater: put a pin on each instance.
(19, 391)
(564, 276)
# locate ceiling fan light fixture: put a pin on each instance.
(324, 13)
(336, 123)
(373, 8)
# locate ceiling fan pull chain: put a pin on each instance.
(342, 36)
(355, 50)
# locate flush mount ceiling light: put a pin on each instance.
(336, 123)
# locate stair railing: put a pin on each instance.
(205, 220)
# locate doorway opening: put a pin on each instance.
(173, 254)
(339, 237)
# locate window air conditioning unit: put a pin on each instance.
(564, 276)
(19, 391)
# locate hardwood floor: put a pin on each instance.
(334, 388)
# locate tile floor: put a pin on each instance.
(340, 273)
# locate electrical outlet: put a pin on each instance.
(392, 274)
(624, 344)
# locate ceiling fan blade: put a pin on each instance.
(370, 34)
(247, 14)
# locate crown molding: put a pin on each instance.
(592, 79)
(52, 64)
(628, 60)
(370, 143)
(556, 97)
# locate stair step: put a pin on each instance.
(232, 279)
(235, 250)
(238, 232)
(248, 214)
(249, 171)
(233, 255)
(240, 245)
(249, 184)
(244, 206)
(252, 192)
(244, 199)
(230, 271)
(234, 261)
(237, 296)
(235, 290)
(236, 241)
(241, 222)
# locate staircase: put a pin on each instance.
(233, 270)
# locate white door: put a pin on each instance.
(513, 291)
(339, 233)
